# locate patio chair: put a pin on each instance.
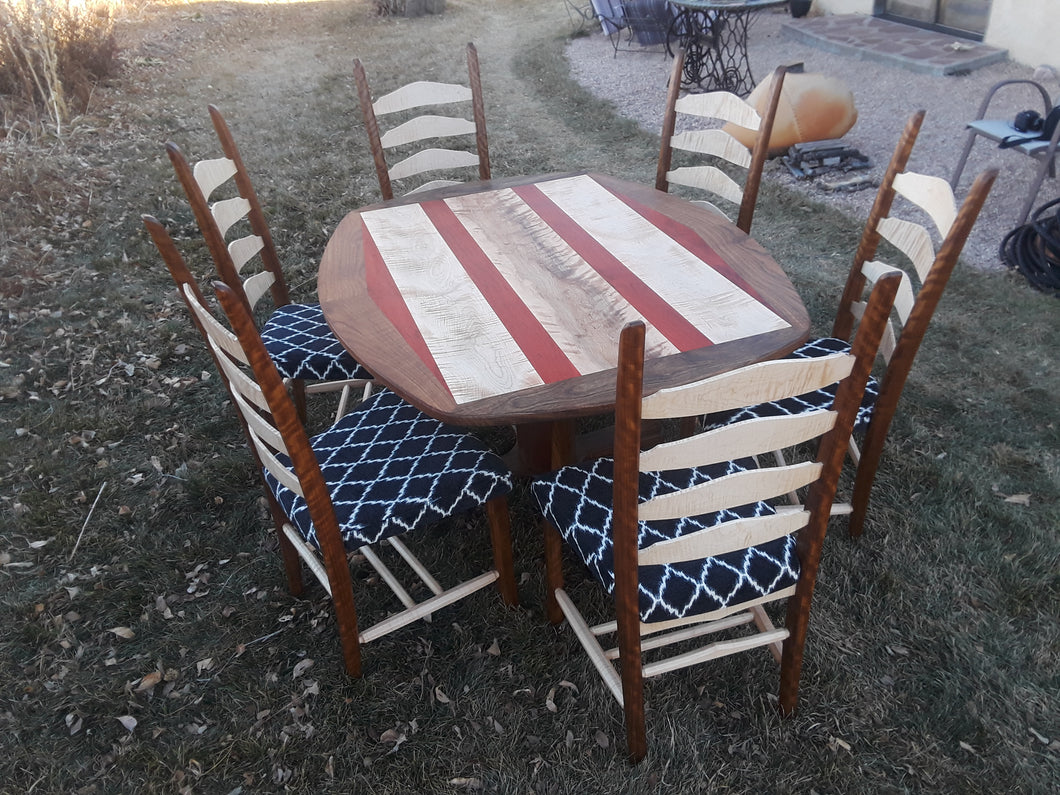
(296, 335)
(684, 535)
(716, 143)
(412, 98)
(913, 308)
(382, 471)
(1044, 150)
(624, 21)
(581, 13)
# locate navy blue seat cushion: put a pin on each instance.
(302, 345)
(390, 469)
(811, 401)
(577, 501)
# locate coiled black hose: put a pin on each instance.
(1034, 249)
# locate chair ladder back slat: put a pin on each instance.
(931, 194)
(713, 142)
(245, 387)
(721, 105)
(243, 249)
(432, 160)
(740, 488)
(211, 174)
(738, 440)
(911, 239)
(257, 285)
(727, 537)
(222, 337)
(420, 93)
(423, 127)
(756, 383)
(708, 178)
(434, 183)
(229, 211)
(276, 467)
(906, 297)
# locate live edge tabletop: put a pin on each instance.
(501, 302)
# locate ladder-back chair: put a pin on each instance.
(381, 471)
(296, 335)
(407, 137)
(684, 534)
(716, 106)
(913, 308)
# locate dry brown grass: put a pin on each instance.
(933, 656)
(52, 53)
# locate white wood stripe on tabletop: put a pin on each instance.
(449, 311)
(582, 313)
(716, 306)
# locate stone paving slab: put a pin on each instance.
(875, 39)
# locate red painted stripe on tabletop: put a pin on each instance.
(544, 353)
(388, 298)
(674, 326)
(688, 239)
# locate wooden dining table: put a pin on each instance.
(501, 302)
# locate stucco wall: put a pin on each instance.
(1026, 28)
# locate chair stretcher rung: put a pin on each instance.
(427, 607)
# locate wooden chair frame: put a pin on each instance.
(997, 130)
(914, 310)
(742, 387)
(271, 424)
(214, 221)
(421, 95)
(716, 142)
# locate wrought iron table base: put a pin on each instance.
(715, 45)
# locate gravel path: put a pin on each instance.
(884, 95)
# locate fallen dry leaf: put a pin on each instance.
(1019, 499)
(128, 721)
(602, 739)
(550, 705)
(149, 681)
(494, 649)
(441, 696)
(123, 632)
(467, 783)
(302, 667)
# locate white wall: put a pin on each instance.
(1026, 28)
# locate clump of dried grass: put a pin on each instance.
(52, 52)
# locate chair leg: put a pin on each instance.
(553, 572)
(501, 539)
(1036, 186)
(349, 635)
(292, 564)
(791, 656)
(963, 159)
(632, 679)
(869, 462)
(298, 394)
